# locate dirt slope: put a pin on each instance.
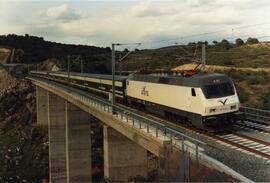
(7, 82)
(4, 54)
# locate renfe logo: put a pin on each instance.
(144, 91)
(223, 102)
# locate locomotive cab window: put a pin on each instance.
(193, 93)
(218, 90)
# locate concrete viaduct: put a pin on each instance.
(127, 136)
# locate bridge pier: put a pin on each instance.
(42, 106)
(70, 142)
(123, 158)
(174, 166)
(57, 139)
(79, 145)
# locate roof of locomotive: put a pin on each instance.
(196, 80)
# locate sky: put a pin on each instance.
(152, 23)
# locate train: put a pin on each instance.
(205, 100)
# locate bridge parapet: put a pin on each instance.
(254, 114)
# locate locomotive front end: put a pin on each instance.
(221, 103)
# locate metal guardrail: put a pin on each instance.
(177, 138)
(256, 114)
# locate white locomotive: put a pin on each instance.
(203, 99)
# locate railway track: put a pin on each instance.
(243, 143)
(234, 140)
(246, 144)
(263, 128)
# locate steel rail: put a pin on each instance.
(239, 145)
(251, 138)
(253, 127)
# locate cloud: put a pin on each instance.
(101, 23)
(63, 12)
(147, 21)
(154, 9)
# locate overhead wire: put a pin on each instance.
(203, 34)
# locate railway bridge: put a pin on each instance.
(128, 139)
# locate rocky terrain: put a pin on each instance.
(7, 82)
(24, 146)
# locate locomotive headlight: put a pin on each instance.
(212, 110)
(233, 107)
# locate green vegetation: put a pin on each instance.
(222, 53)
(252, 41)
(266, 100)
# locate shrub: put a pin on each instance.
(236, 75)
(239, 42)
(254, 80)
(252, 41)
(266, 100)
(242, 94)
(225, 44)
(215, 42)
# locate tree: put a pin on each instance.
(215, 42)
(242, 93)
(225, 44)
(251, 40)
(224, 41)
(191, 44)
(126, 50)
(202, 42)
(239, 42)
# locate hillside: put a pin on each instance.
(32, 49)
(255, 55)
(222, 68)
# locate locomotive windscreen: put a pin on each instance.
(218, 90)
